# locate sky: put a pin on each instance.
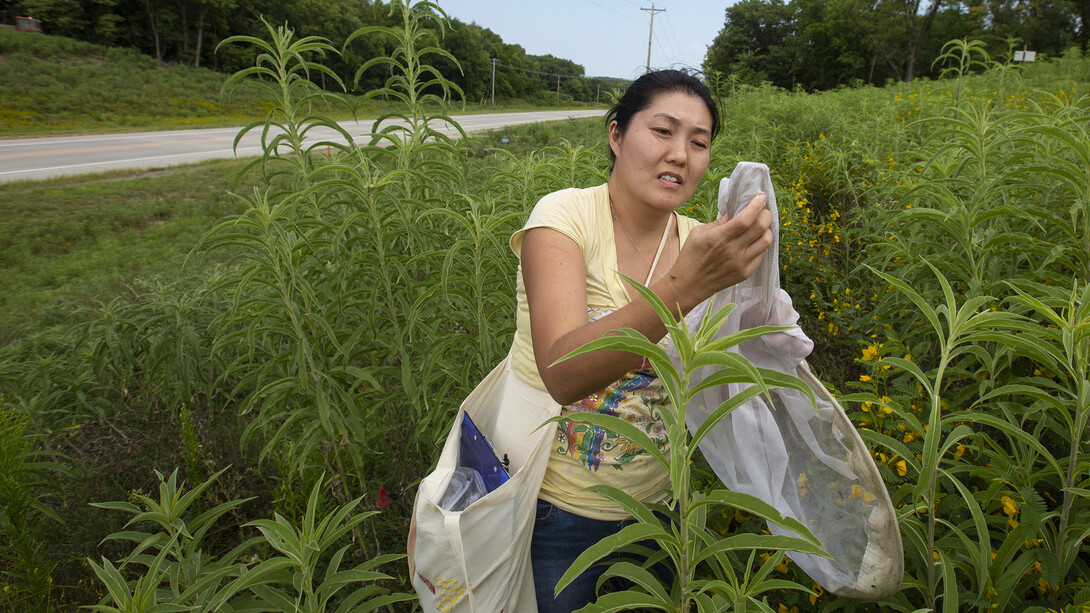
(607, 37)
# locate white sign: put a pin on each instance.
(1025, 56)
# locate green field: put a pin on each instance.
(333, 311)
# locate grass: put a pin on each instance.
(59, 85)
(72, 240)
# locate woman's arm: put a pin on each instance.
(715, 256)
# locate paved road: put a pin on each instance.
(42, 158)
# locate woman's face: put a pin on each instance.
(663, 152)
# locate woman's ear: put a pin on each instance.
(615, 137)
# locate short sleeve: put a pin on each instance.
(566, 211)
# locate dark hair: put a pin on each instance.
(643, 90)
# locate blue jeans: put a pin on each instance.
(559, 538)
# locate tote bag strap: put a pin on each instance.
(454, 533)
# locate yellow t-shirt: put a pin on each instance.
(586, 455)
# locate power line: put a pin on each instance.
(538, 72)
(673, 37)
(665, 54)
(601, 6)
(549, 74)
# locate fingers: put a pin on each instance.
(748, 213)
(753, 209)
(751, 226)
(725, 252)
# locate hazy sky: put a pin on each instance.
(607, 37)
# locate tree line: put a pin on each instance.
(822, 44)
(187, 32)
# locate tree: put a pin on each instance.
(1047, 26)
(154, 16)
(897, 29)
(827, 47)
(203, 7)
(754, 43)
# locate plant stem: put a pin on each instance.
(1082, 411)
(935, 429)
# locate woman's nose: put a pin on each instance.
(676, 152)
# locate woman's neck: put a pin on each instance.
(638, 219)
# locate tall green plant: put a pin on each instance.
(961, 330)
(965, 56)
(291, 317)
(331, 327)
(283, 71)
(473, 286)
(306, 577)
(1058, 339)
(288, 311)
(179, 568)
(180, 574)
(25, 475)
(709, 572)
(1058, 139)
(422, 90)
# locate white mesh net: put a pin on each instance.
(811, 465)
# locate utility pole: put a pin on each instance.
(558, 89)
(650, 31)
(493, 62)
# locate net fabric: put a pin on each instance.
(810, 464)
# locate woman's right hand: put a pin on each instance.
(715, 256)
(722, 253)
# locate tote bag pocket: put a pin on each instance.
(478, 560)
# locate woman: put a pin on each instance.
(570, 250)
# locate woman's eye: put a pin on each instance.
(662, 131)
(700, 144)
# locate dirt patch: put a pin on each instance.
(151, 174)
(121, 176)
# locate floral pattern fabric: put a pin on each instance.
(590, 455)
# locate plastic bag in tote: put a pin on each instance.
(811, 465)
(478, 560)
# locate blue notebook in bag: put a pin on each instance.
(476, 452)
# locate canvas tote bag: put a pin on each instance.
(810, 464)
(478, 560)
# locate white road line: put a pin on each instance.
(110, 137)
(106, 163)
